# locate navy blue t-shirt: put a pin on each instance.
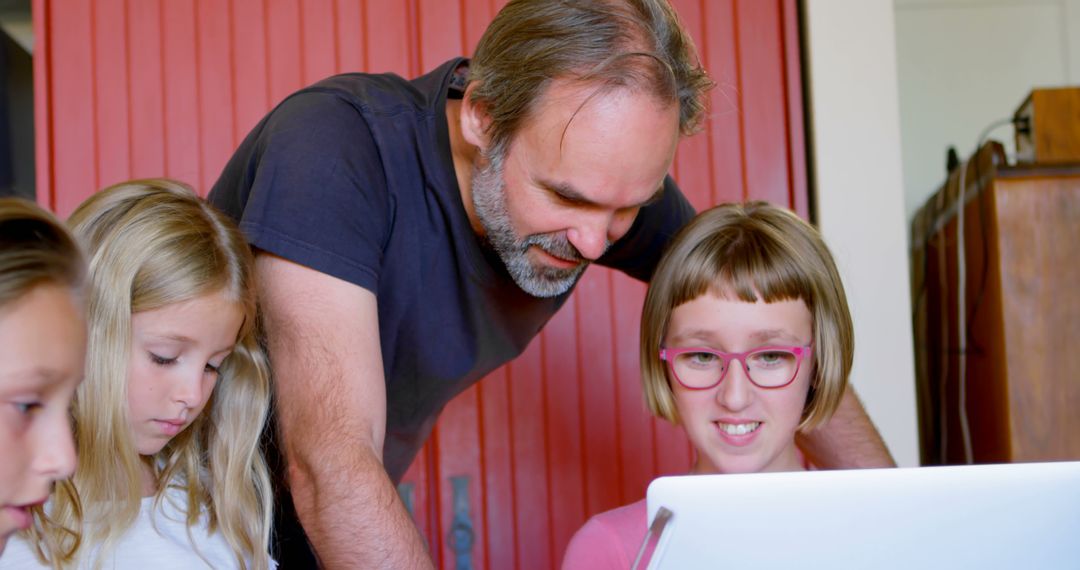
(353, 177)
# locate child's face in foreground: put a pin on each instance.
(736, 426)
(176, 351)
(42, 344)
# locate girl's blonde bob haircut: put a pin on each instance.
(748, 252)
(153, 243)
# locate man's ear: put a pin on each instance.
(474, 120)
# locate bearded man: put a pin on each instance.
(412, 236)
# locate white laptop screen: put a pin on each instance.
(983, 516)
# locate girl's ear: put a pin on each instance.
(474, 120)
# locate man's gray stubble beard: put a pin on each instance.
(489, 203)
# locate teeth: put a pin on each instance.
(738, 429)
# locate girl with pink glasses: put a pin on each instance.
(746, 341)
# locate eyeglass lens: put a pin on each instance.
(766, 368)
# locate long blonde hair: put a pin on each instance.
(152, 243)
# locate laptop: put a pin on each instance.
(977, 516)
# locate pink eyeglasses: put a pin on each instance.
(767, 367)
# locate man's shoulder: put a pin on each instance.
(386, 93)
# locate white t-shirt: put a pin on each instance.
(158, 540)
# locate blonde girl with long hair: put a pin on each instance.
(169, 418)
(42, 341)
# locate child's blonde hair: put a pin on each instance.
(746, 252)
(152, 243)
(35, 249)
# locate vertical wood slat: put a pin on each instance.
(724, 127)
(146, 90)
(388, 34)
(765, 136)
(600, 422)
(284, 48)
(692, 164)
(318, 40)
(496, 447)
(251, 76)
(635, 428)
(561, 434)
(43, 135)
(180, 92)
(109, 23)
(529, 459)
(564, 420)
(217, 119)
(72, 120)
(349, 29)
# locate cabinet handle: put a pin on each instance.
(461, 537)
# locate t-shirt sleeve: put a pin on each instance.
(639, 251)
(595, 546)
(316, 193)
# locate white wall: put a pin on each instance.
(855, 135)
(965, 63)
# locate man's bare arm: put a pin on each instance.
(330, 394)
(848, 441)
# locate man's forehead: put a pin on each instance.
(565, 99)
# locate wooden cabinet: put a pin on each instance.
(999, 379)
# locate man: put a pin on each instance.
(413, 236)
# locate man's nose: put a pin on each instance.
(595, 232)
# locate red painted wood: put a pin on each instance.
(724, 129)
(765, 136)
(441, 32)
(43, 136)
(529, 458)
(129, 88)
(635, 429)
(146, 89)
(214, 99)
(692, 168)
(350, 31)
(600, 422)
(564, 415)
(457, 455)
(111, 84)
(180, 78)
(285, 48)
(73, 123)
(251, 91)
(318, 40)
(389, 34)
(498, 469)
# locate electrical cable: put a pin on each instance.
(963, 328)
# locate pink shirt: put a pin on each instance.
(610, 540)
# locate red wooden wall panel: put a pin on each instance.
(138, 88)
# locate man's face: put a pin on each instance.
(572, 181)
